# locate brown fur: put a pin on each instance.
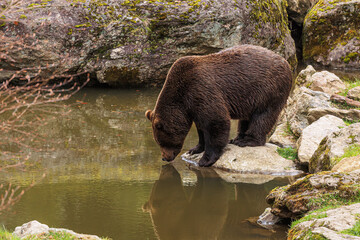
(246, 82)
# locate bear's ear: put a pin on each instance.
(148, 114)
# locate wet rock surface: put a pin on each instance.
(253, 160)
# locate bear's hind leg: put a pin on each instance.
(200, 147)
(243, 126)
(216, 138)
(260, 124)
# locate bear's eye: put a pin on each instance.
(158, 126)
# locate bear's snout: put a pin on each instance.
(169, 154)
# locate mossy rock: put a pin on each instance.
(331, 35)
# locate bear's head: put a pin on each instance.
(169, 132)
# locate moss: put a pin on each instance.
(354, 231)
(288, 153)
(352, 151)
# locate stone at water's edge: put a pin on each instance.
(313, 134)
(33, 228)
(267, 218)
(135, 42)
(331, 34)
(329, 224)
(256, 160)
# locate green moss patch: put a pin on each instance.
(288, 153)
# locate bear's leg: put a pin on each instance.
(216, 137)
(200, 147)
(260, 124)
(243, 126)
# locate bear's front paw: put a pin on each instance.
(196, 150)
(205, 161)
(246, 142)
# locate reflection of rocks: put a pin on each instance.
(204, 211)
(264, 160)
(34, 228)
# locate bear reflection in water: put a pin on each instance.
(208, 212)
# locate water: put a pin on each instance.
(104, 176)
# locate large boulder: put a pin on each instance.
(310, 192)
(135, 42)
(329, 224)
(327, 82)
(297, 9)
(313, 134)
(250, 160)
(333, 147)
(331, 34)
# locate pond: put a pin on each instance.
(102, 174)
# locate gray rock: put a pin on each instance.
(313, 134)
(329, 224)
(296, 199)
(348, 164)
(354, 93)
(304, 76)
(134, 43)
(334, 146)
(327, 82)
(250, 160)
(267, 218)
(282, 137)
(34, 228)
(297, 9)
(298, 106)
(328, 46)
(348, 114)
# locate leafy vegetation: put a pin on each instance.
(288, 153)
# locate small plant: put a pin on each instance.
(288, 153)
(352, 151)
(350, 85)
(355, 231)
(313, 215)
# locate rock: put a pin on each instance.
(327, 82)
(307, 193)
(344, 100)
(327, 45)
(333, 147)
(328, 224)
(282, 137)
(297, 9)
(134, 43)
(304, 76)
(299, 105)
(348, 164)
(35, 228)
(267, 218)
(313, 134)
(250, 160)
(354, 93)
(348, 114)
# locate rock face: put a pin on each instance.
(330, 35)
(348, 164)
(292, 201)
(35, 228)
(264, 160)
(328, 224)
(313, 134)
(297, 9)
(134, 43)
(282, 137)
(327, 82)
(334, 146)
(354, 93)
(298, 106)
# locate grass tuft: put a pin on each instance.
(288, 153)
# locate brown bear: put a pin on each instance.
(246, 82)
